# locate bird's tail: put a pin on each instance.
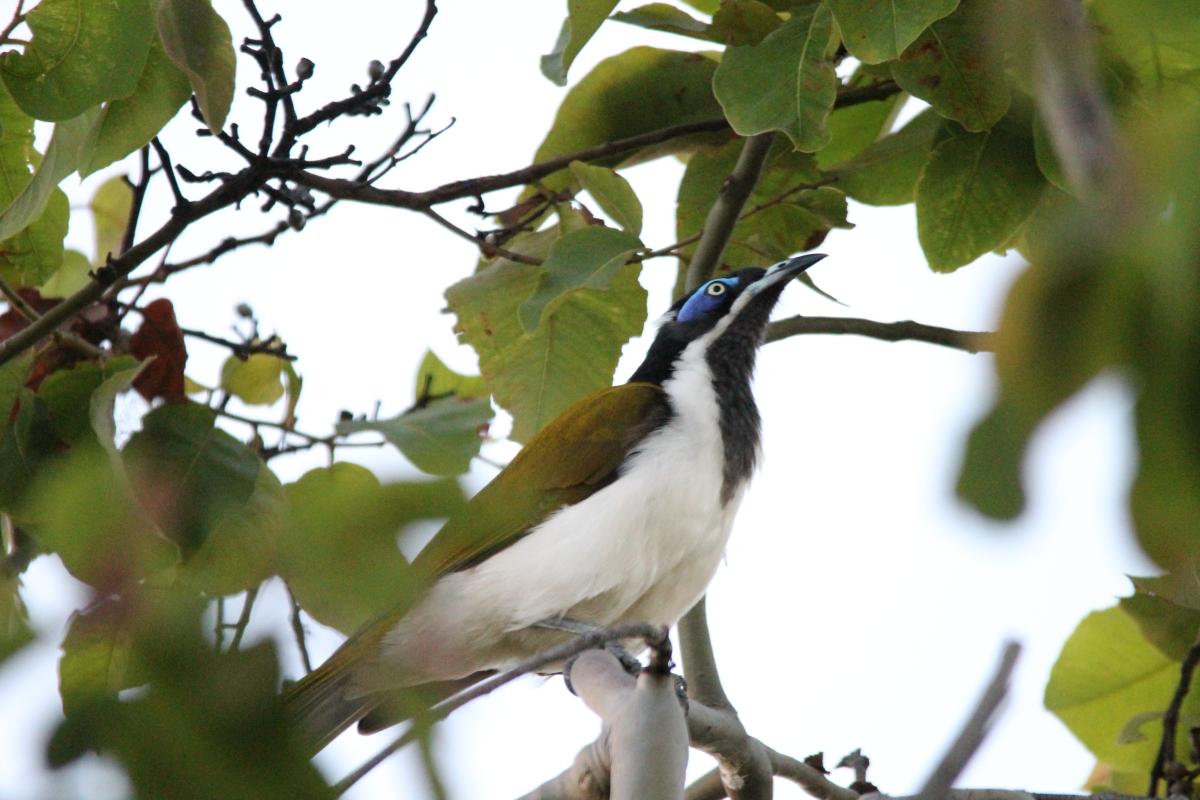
(320, 706)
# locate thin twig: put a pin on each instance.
(969, 341)
(164, 160)
(17, 18)
(298, 632)
(74, 341)
(1170, 719)
(135, 205)
(651, 634)
(489, 250)
(239, 629)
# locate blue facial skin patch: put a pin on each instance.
(702, 303)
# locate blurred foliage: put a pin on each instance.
(168, 521)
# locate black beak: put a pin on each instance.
(784, 271)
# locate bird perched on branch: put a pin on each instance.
(617, 511)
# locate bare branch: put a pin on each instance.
(974, 730)
(239, 628)
(970, 341)
(699, 663)
(723, 215)
(1166, 748)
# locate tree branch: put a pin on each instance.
(974, 730)
(1166, 747)
(699, 663)
(970, 341)
(723, 215)
(651, 634)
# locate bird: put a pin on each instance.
(618, 510)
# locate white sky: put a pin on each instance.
(860, 606)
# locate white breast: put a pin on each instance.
(642, 549)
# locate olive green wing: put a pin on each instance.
(575, 455)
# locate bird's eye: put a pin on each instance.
(715, 289)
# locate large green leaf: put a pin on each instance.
(640, 90)
(338, 550)
(33, 254)
(62, 158)
(1170, 627)
(129, 122)
(574, 350)
(95, 655)
(976, 191)
(784, 83)
(880, 30)
(583, 20)
(886, 173)
(82, 53)
(82, 510)
(1158, 39)
(612, 193)
(196, 38)
(953, 67)
(854, 128)
(240, 552)
(1110, 685)
(189, 472)
(29, 441)
(440, 437)
(588, 258)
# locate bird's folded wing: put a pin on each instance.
(575, 455)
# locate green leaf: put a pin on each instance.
(875, 31)
(435, 379)
(785, 83)
(81, 54)
(102, 406)
(584, 18)
(196, 38)
(739, 22)
(975, 192)
(1180, 586)
(886, 173)
(953, 68)
(667, 18)
(256, 381)
(188, 472)
(589, 258)
(81, 509)
(14, 619)
(1108, 676)
(12, 380)
(338, 549)
(1158, 39)
(67, 394)
(29, 442)
(61, 159)
(439, 438)
(640, 90)
(613, 193)
(704, 6)
(1169, 627)
(110, 215)
(95, 656)
(536, 375)
(72, 275)
(855, 128)
(127, 123)
(33, 254)
(240, 552)
(1047, 159)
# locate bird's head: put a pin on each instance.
(734, 308)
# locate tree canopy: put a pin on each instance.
(1064, 133)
